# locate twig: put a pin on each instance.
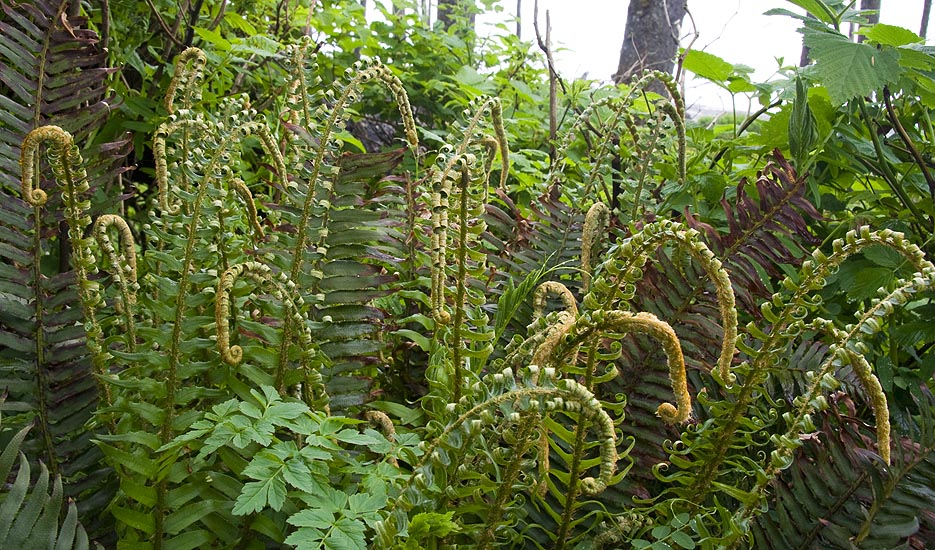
(907, 140)
(162, 23)
(220, 16)
(688, 48)
(546, 47)
(746, 124)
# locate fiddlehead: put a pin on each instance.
(281, 289)
(123, 264)
(623, 268)
(186, 82)
(595, 224)
(68, 169)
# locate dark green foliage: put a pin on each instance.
(29, 516)
(53, 72)
(326, 347)
(841, 497)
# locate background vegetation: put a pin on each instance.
(261, 289)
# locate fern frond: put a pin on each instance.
(840, 497)
(752, 244)
(29, 516)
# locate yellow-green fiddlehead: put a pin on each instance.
(616, 284)
(595, 224)
(68, 170)
(123, 264)
(283, 290)
(189, 69)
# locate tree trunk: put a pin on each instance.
(651, 39)
(873, 18)
(450, 10)
(926, 11)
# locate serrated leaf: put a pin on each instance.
(707, 65)
(850, 69)
(315, 517)
(347, 534)
(258, 495)
(891, 35)
(817, 8)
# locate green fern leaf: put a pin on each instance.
(29, 516)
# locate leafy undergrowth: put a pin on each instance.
(293, 345)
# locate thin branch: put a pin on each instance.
(220, 16)
(688, 48)
(546, 47)
(746, 124)
(162, 23)
(908, 141)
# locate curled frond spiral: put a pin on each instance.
(60, 154)
(553, 288)
(189, 68)
(597, 322)
(559, 325)
(231, 355)
(283, 290)
(123, 264)
(126, 262)
(623, 268)
(69, 173)
(172, 125)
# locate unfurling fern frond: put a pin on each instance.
(54, 73)
(839, 497)
(753, 243)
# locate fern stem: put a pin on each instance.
(461, 282)
(334, 120)
(574, 471)
(811, 278)
(68, 170)
(39, 340)
(124, 266)
(505, 491)
(645, 166)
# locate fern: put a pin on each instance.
(29, 516)
(53, 76)
(840, 498)
(765, 232)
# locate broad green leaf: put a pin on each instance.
(707, 65)
(849, 69)
(315, 517)
(891, 35)
(239, 22)
(818, 8)
(347, 534)
(214, 38)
